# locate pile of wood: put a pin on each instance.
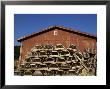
(57, 60)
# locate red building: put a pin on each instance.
(57, 35)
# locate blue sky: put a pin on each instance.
(28, 23)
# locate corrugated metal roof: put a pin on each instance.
(56, 27)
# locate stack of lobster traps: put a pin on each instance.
(50, 60)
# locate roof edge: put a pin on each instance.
(60, 27)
